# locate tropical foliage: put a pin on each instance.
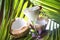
(10, 10)
(13, 8)
(50, 7)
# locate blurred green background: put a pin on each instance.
(10, 9)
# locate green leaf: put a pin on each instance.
(50, 7)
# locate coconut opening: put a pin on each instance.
(18, 23)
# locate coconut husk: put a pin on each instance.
(20, 32)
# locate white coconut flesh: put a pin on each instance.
(18, 24)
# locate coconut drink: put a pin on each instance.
(19, 28)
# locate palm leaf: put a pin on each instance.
(51, 7)
(52, 10)
(11, 10)
(14, 8)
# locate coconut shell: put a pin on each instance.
(21, 32)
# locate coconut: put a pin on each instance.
(19, 28)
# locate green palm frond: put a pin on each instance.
(52, 10)
(11, 10)
(50, 7)
(14, 8)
